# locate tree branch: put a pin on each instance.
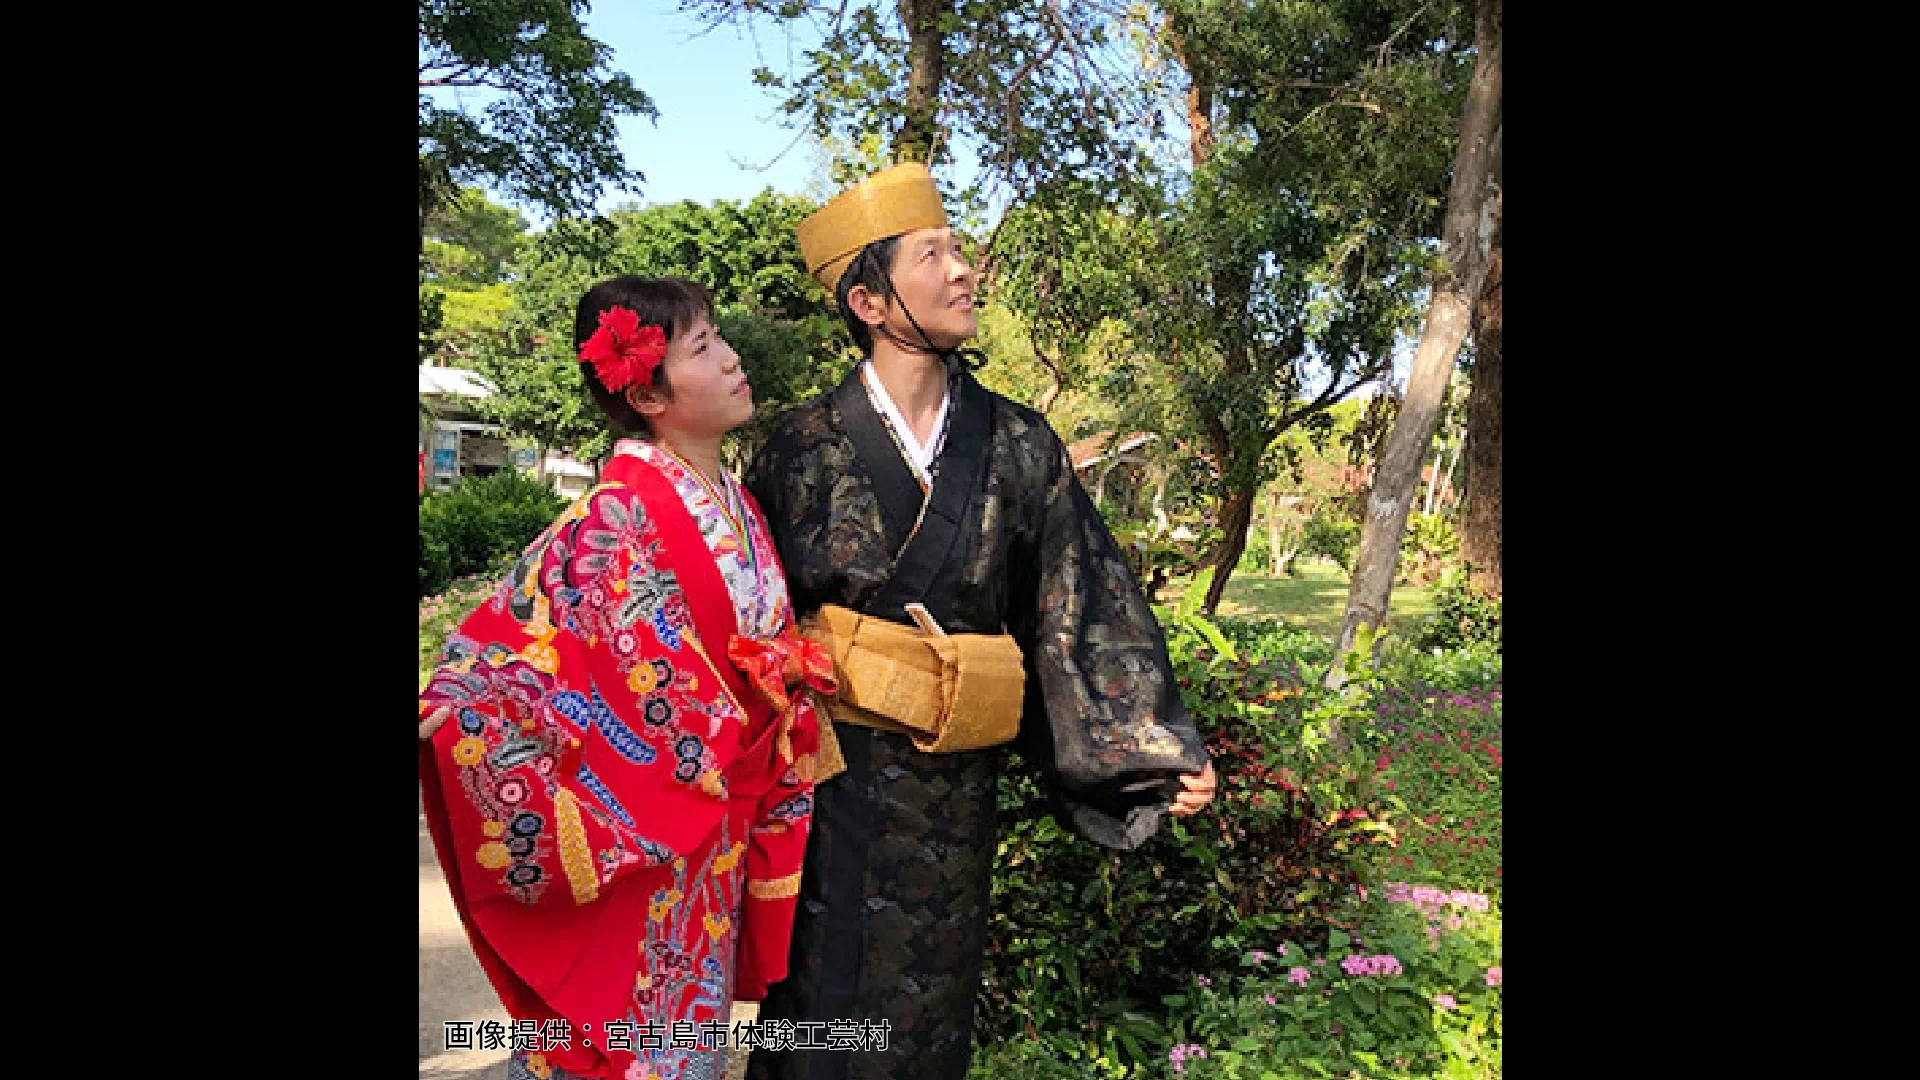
(1386, 46)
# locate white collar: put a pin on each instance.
(919, 457)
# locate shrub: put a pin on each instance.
(1428, 548)
(465, 529)
(1442, 761)
(1462, 616)
(440, 614)
(1414, 992)
(1409, 664)
(1330, 535)
(1082, 941)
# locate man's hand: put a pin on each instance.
(1198, 794)
(439, 716)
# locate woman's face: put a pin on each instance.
(936, 282)
(710, 392)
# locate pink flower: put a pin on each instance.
(1270, 1000)
(1493, 976)
(1446, 1002)
(1179, 1054)
(1299, 976)
(1258, 956)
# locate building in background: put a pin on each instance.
(458, 442)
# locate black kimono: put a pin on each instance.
(893, 898)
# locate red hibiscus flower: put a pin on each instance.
(622, 351)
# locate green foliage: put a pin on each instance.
(433, 316)
(1157, 555)
(1412, 663)
(1463, 617)
(1331, 535)
(471, 240)
(1427, 548)
(467, 528)
(1424, 1008)
(547, 137)
(1336, 812)
(773, 314)
(441, 614)
(1032, 1059)
(1010, 89)
(1280, 851)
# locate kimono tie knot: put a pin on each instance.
(777, 664)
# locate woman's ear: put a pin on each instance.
(865, 306)
(646, 400)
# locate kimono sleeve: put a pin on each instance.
(776, 847)
(550, 780)
(1103, 717)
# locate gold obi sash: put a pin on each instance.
(946, 692)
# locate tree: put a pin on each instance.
(1285, 255)
(465, 260)
(1013, 78)
(548, 138)
(767, 307)
(1467, 239)
(1480, 530)
(1287, 247)
(470, 240)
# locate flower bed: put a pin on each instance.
(1335, 913)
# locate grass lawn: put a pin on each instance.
(1313, 601)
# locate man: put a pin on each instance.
(911, 484)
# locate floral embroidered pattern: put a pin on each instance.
(589, 736)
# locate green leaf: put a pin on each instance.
(1214, 636)
(1196, 594)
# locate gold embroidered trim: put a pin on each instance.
(574, 856)
(777, 889)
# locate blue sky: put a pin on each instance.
(716, 129)
(718, 135)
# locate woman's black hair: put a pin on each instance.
(870, 268)
(672, 304)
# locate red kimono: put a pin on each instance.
(620, 791)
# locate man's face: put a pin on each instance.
(936, 282)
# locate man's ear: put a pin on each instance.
(646, 400)
(866, 307)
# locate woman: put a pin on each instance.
(618, 746)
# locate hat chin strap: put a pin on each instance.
(955, 359)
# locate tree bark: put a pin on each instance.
(1232, 287)
(926, 70)
(1465, 241)
(1236, 519)
(1480, 538)
(1273, 531)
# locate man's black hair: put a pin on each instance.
(870, 268)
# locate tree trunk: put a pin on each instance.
(1433, 484)
(1273, 531)
(1465, 241)
(1236, 519)
(1480, 540)
(926, 69)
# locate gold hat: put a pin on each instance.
(890, 202)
